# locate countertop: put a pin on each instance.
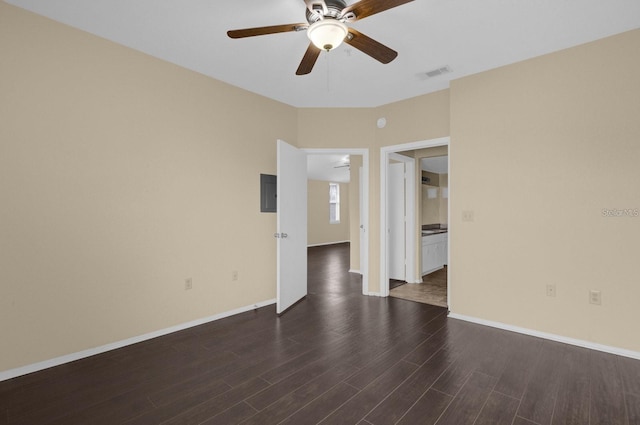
(433, 229)
(433, 232)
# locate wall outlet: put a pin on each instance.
(551, 290)
(234, 275)
(595, 297)
(467, 215)
(188, 284)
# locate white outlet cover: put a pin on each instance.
(551, 290)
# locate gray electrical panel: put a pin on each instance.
(268, 193)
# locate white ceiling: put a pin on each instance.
(436, 164)
(328, 168)
(470, 36)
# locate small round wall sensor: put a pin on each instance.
(382, 122)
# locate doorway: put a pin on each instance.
(363, 189)
(413, 252)
(432, 201)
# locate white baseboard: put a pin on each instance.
(13, 373)
(552, 337)
(327, 243)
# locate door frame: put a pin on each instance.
(364, 210)
(386, 153)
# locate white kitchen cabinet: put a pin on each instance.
(434, 252)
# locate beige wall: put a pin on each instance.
(319, 230)
(558, 138)
(430, 206)
(420, 118)
(121, 176)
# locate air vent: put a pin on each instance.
(439, 71)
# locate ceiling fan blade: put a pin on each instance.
(308, 60)
(251, 32)
(365, 8)
(367, 45)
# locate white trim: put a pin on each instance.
(421, 144)
(364, 247)
(448, 229)
(552, 337)
(35, 367)
(355, 271)
(327, 243)
(385, 153)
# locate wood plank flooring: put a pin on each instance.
(336, 358)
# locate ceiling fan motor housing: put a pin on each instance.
(334, 9)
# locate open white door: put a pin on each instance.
(396, 233)
(292, 226)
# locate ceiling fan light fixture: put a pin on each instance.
(327, 34)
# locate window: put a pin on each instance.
(334, 203)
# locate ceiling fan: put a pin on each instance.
(326, 28)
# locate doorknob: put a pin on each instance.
(284, 235)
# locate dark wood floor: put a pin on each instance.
(336, 358)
